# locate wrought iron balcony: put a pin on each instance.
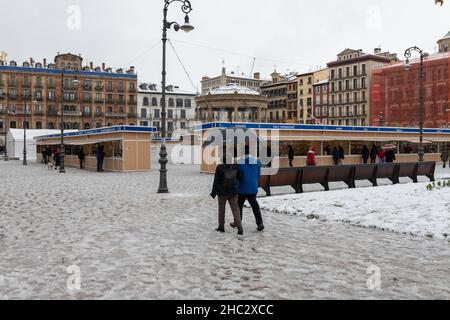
(23, 112)
(99, 88)
(51, 113)
(71, 113)
(38, 113)
(132, 115)
(116, 115)
(12, 96)
(87, 113)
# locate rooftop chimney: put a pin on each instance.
(257, 76)
(377, 50)
(91, 65)
(103, 66)
(45, 63)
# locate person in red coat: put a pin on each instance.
(311, 158)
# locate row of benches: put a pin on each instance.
(349, 174)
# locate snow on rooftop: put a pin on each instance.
(157, 88)
(232, 88)
(17, 134)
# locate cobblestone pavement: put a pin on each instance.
(131, 243)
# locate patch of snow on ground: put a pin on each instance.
(405, 208)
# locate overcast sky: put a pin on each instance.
(291, 34)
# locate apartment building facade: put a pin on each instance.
(306, 94)
(225, 78)
(350, 83)
(396, 93)
(321, 102)
(34, 94)
(277, 95)
(180, 106)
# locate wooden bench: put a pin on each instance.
(349, 174)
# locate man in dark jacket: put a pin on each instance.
(365, 154)
(57, 159)
(373, 154)
(249, 173)
(100, 154)
(291, 155)
(81, 157)
(226, 187)
(389, 156)
(341, 154)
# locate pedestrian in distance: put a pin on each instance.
(335, 155)
(365, 154)
(445, 156)
(225, 186)
(81, 157)
(390, 156)
(249, 172)
(341, 154)
(381, 156)
(311, 158)
(100, 155)
(57, 159)
(291, 155)
(373, 154)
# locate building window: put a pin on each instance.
(13, 125)
(157, 113)
(51, 125)
(171, 103)
(146, 101)
(179, 103)
(187, 103)
(170, 114)
(154, 102)
(143, 113)
(183, 125)
(183, 114)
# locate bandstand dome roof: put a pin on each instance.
(233, 88)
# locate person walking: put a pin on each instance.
(81, 157)
(390, 156)
(291, 155)
(381, 155)
(100, 154)
(225, 186)
(335, 154)
(57, 159)
(249, 169)
(373, 154)
(365, 154)
(311, 158)
(341, 154)
(445, 156)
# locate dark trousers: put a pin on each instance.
(81, 163)
(99, 164)
(373, 160)
(253, 203)
(365, 160)
(291, 163)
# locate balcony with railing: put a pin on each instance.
(51, 112)
(38, 86)
(101, 101)
(22, 112)
(12, 83)
(12, 96)
(38, 112)
(132, 115)
(99, 88)
(87, 87)
(116, 115)
(71, 113)
(87, 99)
(99, 114)
(87, 113)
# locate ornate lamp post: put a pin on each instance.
(62, 169)
(408, 53)
(186, 27)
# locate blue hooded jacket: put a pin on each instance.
(249, 172)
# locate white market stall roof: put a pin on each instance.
(17, 134)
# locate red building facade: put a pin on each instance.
(396, 93)
(321, 101)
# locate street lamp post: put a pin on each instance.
(25, 138)
(187, 27)
(62, 168)
(408, 53)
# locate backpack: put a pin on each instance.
(230, 177)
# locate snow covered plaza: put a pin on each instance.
(125, 241)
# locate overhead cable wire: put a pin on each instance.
(184, 68)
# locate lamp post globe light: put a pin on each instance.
(186, 27)
(74, 69)
(408, 54)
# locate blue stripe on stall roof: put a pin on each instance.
(101, 131)
(270, 126)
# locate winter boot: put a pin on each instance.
(220, 229)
